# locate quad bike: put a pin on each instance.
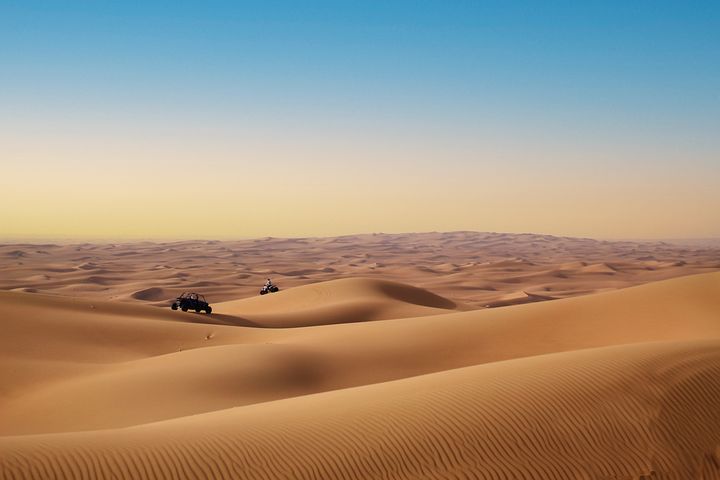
(191, 301)
(269, 289)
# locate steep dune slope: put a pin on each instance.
(38, 326)
(633, 411)
(87, 397)
(48, 340)
(338, 301)
(111, 366)
(679, 309)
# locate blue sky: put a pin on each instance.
(562, 86)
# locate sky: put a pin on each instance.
(230, 119)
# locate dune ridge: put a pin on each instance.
(140, 344)
(471, 268)
(339, 301)
(537, 417)
(620, 384)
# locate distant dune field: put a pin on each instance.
(477, 269)
(364, 375)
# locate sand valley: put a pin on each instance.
(438, 355)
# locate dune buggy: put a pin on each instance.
(191, 301)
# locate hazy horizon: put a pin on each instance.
(70, 240)
(225, 120)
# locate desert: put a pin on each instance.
(350, 240)
(366, 364)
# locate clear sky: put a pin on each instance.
(213, 119)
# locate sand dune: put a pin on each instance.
(378, 359)
(472, 268)
(339, 301)
(653, 415)
(613, 385)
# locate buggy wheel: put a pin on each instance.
(174, 306)
(184, 309)
(208, 310)
(197, 309)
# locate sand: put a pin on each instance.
(477, 269)
(367, 377)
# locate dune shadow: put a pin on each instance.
(222, 319)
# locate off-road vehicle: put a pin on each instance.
(269, 288)
(191, 301)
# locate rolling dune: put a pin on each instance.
(620, 384)
(653, 415)
(339, 301)
(471, 268)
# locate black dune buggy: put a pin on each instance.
(191, 301)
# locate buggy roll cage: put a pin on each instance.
(193, 296)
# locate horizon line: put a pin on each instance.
(72, 240)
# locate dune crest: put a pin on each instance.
(339, 301)
(472, 268)
(653, 415)
(362, 378)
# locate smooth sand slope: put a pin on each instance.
(638, 411)
(338, 301)
(614, 385)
